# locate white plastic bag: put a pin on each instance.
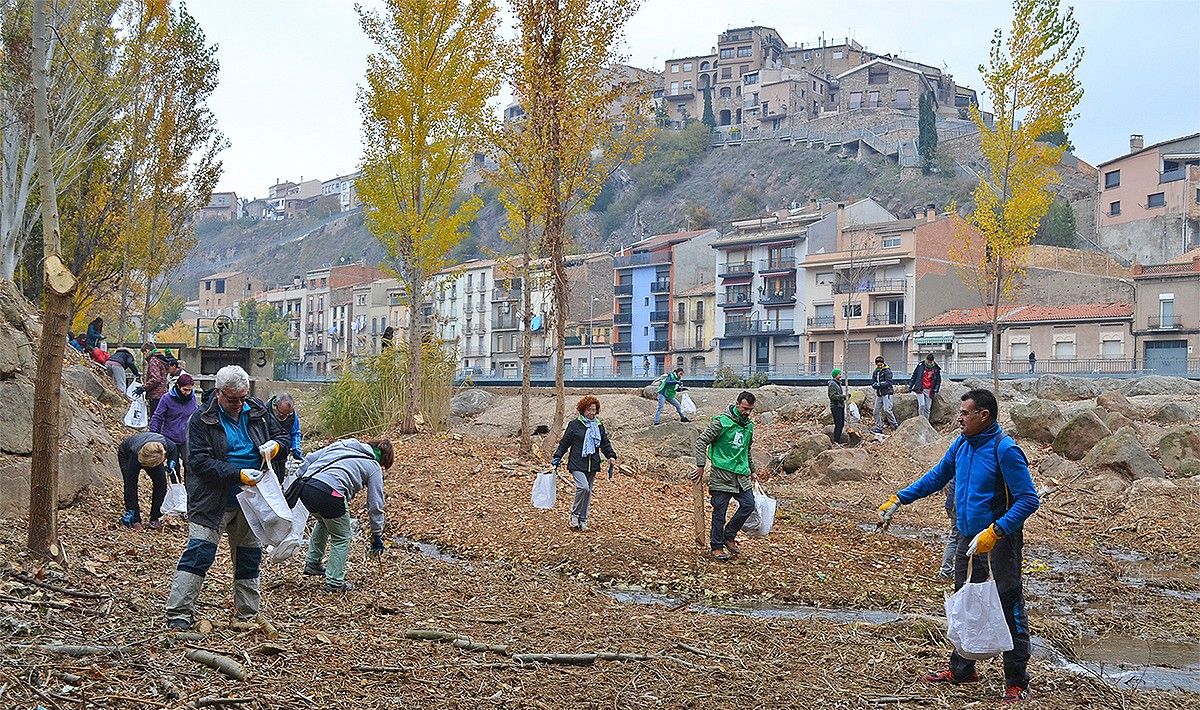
(176, 501)
(266, 509)
(762, 519)
(295, 539)
(689, 407)
(136, 416)
(975, 618)
(854, 413)
(544, 490)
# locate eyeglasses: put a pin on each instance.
(234, 398)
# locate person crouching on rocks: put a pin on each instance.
(329, 478)
(586, 439)
(154, 453)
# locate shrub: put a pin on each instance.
(367, 398)
(724, 377)
(758, 379)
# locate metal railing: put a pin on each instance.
(737, 269)
(885, 319)
(783, 263)
(510, 322)
(821, 322)
(660, 316)
(623, 290)
(1164, 322)
(661, 286)
(658, 346)
(1172, 175)
(506, 294)
(742, 299)
(775, 299)
(622, 318)
(623, 347)
(872, 286)
(748, 326)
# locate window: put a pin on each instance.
(221, 286)
(674, 68)
(877, 76)
(873, 99)
(1018, 351)
(807, 56)
(699, 336)
(1198, 195)
(647, 303)
(855, 99)
(745, 51)
(726, 73)
(1158, 199)
(687, 66)
(902, 99)
(645, 330)
(1112, 179)
(704, 66)
(1111, 346)
(743, 68)
(824, 278)
(674, 87)
(682, 312)
(727, 53)
(1114, 208)
(470, 279)
(208, 285)
(852, 310)
(483, 282)
(1064, 350)
(891, 242)
(750, 78)
(687, 84)
(699, 310)
(725, 92)
(681, 108)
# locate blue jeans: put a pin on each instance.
(722, 531)
(663, 399)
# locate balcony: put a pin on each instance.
(778, 299)
(644, 259)
(782, 263)
(885, 319)
(623, 289)
(623, 347)
(482, 307)
(698, 317)
(660, 286)
(872, 286)
(737, 269)
(468, 329)
(658, 346)
(821, 322)
(1172, 175)
(508, 322)
(500, 295)
(680, 318)
(751, 326)
(1165, 322)
(735, 300)
(622, 318)
(660, 316)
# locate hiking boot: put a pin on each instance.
(573, 522)
(947, 676)
(719, 555)
(343, 587)
(733, 547)
(1014, 694)
(130, 520)
(179, 624)
(311, 571)
(684, 419)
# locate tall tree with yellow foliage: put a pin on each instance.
(1030, 79)
(425, 113)
(586, 115)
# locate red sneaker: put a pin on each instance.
(1015, 694)
(947, 676)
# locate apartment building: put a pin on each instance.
(1149, 205)
(1166, 324)
(223, 206)
(460, 297)
(376, 305)
(286, 200)
(288, 302)
(646, 276)
(694, 323)
(326, 312)
(222, 293)
(1077, 337)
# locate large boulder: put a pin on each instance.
(916, 432)
(1039, 420)
(1115, 421)
(15, 353)
(670, 439)
(82, 378)
(947, 401)
(804, 450)
(1079, 435)
(1188, 468)
(1066, 388)
(1116, 401)
(1178, 446)
(1159, 384)
(838, 465)
(905, 406)
(1175, 413)
(1122, 453)
(16, 417)
(470, 402)
(851, 435)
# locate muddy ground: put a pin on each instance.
(1112, 582)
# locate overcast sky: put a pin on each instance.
(290, 68)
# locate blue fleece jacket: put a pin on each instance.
(982, 495)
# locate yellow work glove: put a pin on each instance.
(251, 476)
(268, 450)
(888, 509)
(983, 543)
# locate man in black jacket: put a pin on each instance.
(881, 380)
(231, 440)
(925, 382)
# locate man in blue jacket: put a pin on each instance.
(993, 496)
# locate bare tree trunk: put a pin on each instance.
(58, 292)
(996, 327)
(555, 220)
(411, 386)
(561, 294)
(526, 341)
(149, 277)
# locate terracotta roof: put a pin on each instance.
(701, 290)
(1031, 314)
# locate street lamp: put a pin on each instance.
(591, 326)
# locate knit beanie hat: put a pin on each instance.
(836, 371)
(184, 380)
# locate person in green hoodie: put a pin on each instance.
(666, 393)
(837, 403)
(726, 442)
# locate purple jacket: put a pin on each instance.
(172, 414)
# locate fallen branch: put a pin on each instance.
(34, 602)
(702, 652)
(380, 669)
(224, 664)
(433, 635)
(469, 645)
(573, 659)
(54, 588)
(84, 650)
(213, 701)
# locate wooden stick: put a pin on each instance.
(34, 602)
(468, 645)
(54, 588)
(84, 650)
(224, 664)
(212, 701)
(574, 659)
(698, 511)
(702, 652)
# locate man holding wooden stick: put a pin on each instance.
(726, 442)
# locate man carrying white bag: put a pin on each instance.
(994, 494)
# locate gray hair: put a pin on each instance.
(285, 398)
(232, 376)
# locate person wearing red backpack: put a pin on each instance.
(993, 496)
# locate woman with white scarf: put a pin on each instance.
(586, 439)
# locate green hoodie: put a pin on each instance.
(726, 442)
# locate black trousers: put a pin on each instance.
(319, 499)
(1006, 570)
(129, 475)
(839, 420)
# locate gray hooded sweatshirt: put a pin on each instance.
(348, 466)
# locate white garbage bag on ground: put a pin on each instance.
(136, 416)
(975, 619)
(176, 501)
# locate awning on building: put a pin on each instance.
(891, 338)
(933, 337)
